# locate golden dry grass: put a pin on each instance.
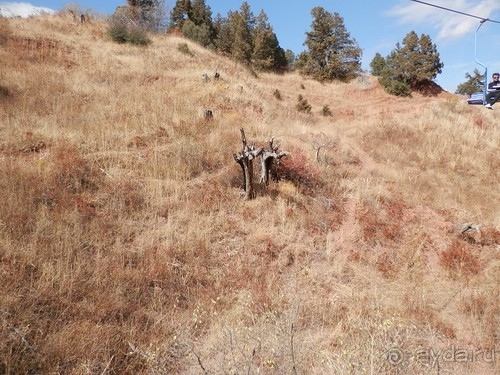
(126, 245)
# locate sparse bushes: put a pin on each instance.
(148, 14)
(303, 105)
(277, 94)
(184, 48)
(297, 169)
(138, 37)
(122, 32)
(325, 111)
(4, 92)
(395, 87)
(460, 257)
(118, 32)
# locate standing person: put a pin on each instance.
(493, 94)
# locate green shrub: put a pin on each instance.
(120, 32)
(303, 105)
(184, 48)
(277, 94)
(326, 111)
(395, 87)
(138, 37)
(4, 92)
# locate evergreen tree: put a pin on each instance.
(180, 13)
(200, 13)
(199, 26)
(474, 83)
(267, 53)
(411, 65)
(242, 26)
(303, 105)
(224, 33)
(202, 35)
(301, 61)
(290, 59)
(246, 38)
(280, 58)
(416, 61)
(332, 53)
(377, 65)
(390, 80)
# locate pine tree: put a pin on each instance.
(179, 14)
(416, 60)
(200, 13)
(280, 58)
(242, 26)
(332, 53)
(474, 83)
(199, 34)
(267, 53)
(290, 59)
(224, 34)
(411, 65)
(303, 105)
(301, 62)
(199, 26)
(377, 65)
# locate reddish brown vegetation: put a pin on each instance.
(461, 257)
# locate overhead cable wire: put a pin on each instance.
(456, 11)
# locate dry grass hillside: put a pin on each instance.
(126, 246)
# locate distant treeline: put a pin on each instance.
(331, 53)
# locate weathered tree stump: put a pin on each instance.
(269, 158)
(245, 158)
(208, 115)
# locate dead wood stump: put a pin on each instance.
(245, 158)
(269, 158)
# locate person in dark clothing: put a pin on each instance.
(493, 94)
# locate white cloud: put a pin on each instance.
(449, 25)
(22, 10)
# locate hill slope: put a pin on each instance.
(126, 245)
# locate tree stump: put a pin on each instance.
(269, 157)
(245, 159)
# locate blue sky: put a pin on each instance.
(377, 25)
